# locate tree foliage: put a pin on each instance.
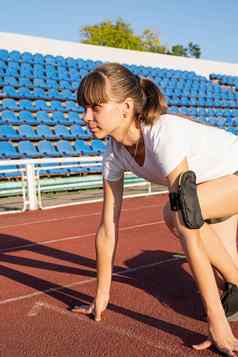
(121, 35)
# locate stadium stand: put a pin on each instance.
(39, 116)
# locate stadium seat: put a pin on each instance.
(83, 149)
(44, 118)
(9, 91)
(59, 118)
(63, 132)
(10, 104)
(57, 105)
(65, 148)
(28, 150)
(75, 118)
(27, 132)
(45, 132)
(6, 171)
(25, 92)
(98, 146)
(41, 105)
(8, 133)
(80, 133)
(9, 117)
(47, 149)
(25, 104)
(8, 151)
(26, 117)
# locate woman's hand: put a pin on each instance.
(98, 306)
(220, 335)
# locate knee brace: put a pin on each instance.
(186, 200)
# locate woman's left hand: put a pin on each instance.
(221, 336)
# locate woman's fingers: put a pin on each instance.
(203, 346)
(83, 309)
(206, 344)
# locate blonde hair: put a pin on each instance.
(112, 81)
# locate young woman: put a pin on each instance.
(160, 147)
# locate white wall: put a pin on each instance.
(11, 41)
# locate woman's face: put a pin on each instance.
(103, 119)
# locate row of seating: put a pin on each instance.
(202, 102)
(39, 104)
(41, 117)
(38, 58)
(37, 93)
(205, 112)
(44, 148)
(14, 171)
(43, 132)
(41, 83)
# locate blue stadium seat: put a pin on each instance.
(10, 104)
(78, 132)
(98, 146)
(9, 91)
(65, 148)
(45, 132)
(72, 106)
(83, 149)
(27, 149)
(65, 84)
(9, 117)
(40, 93)
(41, 105)
(54, 94)
(7, 132)
(6, 173)
(47, 149)
(44, 118)
(59, 118)
(26, 117)
(38, 58)
(62, 132)
(26, 104)
(57, 105)
(49, 59)
(8, 151)
(25, 92)
(25, 82)
(14, 56)
(75, 118)
(27, 57)
(27, 132)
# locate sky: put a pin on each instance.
(212, 24)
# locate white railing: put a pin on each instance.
(32, 188)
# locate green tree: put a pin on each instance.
(121, 35)
(118, 35)
(151, 42)
(194, 50)
(179, 50)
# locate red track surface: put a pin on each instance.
(48, 264)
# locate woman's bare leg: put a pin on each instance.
(227, 232)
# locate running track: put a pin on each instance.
(48, 264)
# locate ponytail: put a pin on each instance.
(154, 101)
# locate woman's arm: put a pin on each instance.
(107, 234)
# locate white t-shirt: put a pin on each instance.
(211, 152)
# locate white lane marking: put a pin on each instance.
(121, 272)
(73, 217)
(20, 247)
(102, 325)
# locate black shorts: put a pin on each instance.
(222, 219)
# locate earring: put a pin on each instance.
(124, 115)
